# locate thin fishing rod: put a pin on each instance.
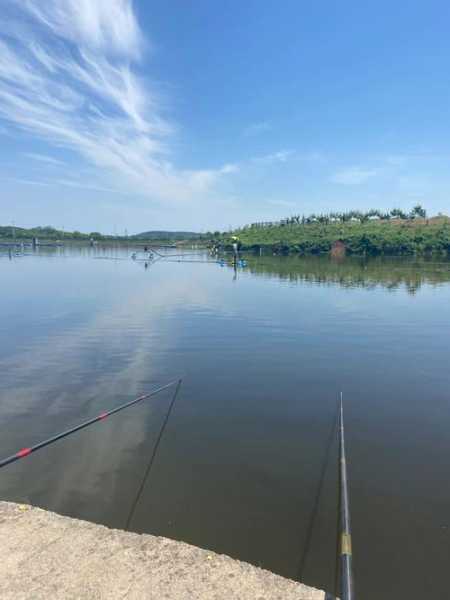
(347, 592)
(26, 451)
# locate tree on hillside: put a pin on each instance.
(418, 211)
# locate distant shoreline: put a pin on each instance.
(133, 243)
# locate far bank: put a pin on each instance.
(394, 237)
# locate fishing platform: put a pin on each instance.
(45, 555)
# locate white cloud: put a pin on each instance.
(353, 176)
(105, 25)
(67, 76)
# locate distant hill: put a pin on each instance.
(167, 235)
(50, 233)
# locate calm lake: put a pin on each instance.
(247, 465)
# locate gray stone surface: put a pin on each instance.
(47, 556)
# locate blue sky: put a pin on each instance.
(199, 115)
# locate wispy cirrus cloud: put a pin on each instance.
(68, 76)
(353, 176)
(24, 181)
(101, 25)
(43, 158)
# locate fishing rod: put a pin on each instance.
(26, 451)
(346, 588)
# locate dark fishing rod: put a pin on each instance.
(346, 588)
(26, 451)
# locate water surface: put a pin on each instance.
(248, 462)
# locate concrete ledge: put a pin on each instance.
(45, 555)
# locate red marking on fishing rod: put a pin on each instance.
(26, 451)
(23, 452)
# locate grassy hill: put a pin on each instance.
(394, 236)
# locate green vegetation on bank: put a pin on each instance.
(363, 234)
(11, 232)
